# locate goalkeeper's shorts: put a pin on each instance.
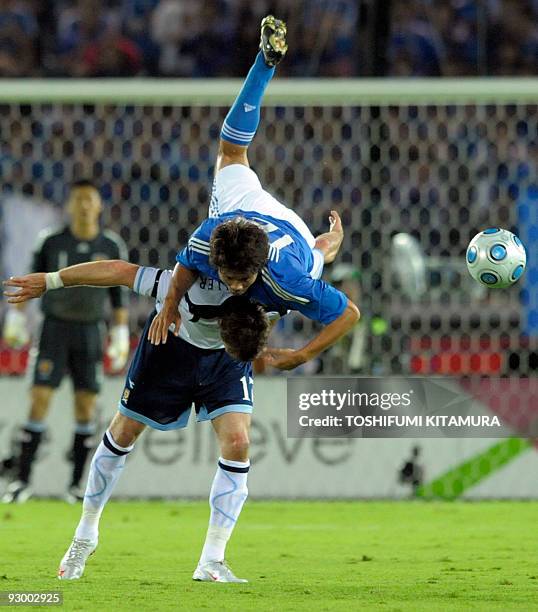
(70, 347)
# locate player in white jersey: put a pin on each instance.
(161, 386)
(205, 311)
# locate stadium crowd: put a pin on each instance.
(181, 38)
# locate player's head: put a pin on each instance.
(84, 204)
(238, 249)
(244, 328)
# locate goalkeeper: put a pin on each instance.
(71, 338)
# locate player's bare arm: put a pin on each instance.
(182, 281)
(96, 273)
(287, 359)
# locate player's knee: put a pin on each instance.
(236, 444)
(124, 430)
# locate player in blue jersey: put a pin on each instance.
(162, 384)
(230, 247)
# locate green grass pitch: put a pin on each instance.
(297, 555)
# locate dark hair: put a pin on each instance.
(83, 182)
(238, 245)
(244, 328)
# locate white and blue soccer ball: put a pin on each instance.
(496, 258)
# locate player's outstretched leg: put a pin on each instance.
(227, 497)
(105, 469)
(243, 119)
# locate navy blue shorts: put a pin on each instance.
(164, 382)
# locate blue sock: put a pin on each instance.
(243, 118)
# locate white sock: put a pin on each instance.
(105, 469)
(226, 498)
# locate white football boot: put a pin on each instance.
(73, 563)
(215, 571)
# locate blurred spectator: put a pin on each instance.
(464, 38)
(111, 55)
(333, 26)
(416, 47)
(135, 17)
(18, 31)
(171, 21)
(205, 46)
(513, 39)
(79, 27)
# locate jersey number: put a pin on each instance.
(278, 244)
(247, 387)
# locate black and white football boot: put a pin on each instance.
(273, 40)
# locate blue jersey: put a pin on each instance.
(285, 279)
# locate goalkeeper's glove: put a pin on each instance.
(118, 348)
(16, 332)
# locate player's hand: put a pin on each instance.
(118, 348)
(158, 330)
(29, 286)
(282, 358)
(16, 333)
(335, 223)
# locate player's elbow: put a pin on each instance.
(122, 272)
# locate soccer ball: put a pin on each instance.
(496, 258)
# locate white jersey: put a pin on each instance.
(237, 187)
(200, 309)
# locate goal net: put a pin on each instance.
(415, 168)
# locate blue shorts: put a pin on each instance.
(164, 382)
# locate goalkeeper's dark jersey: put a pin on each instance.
(58, 249)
